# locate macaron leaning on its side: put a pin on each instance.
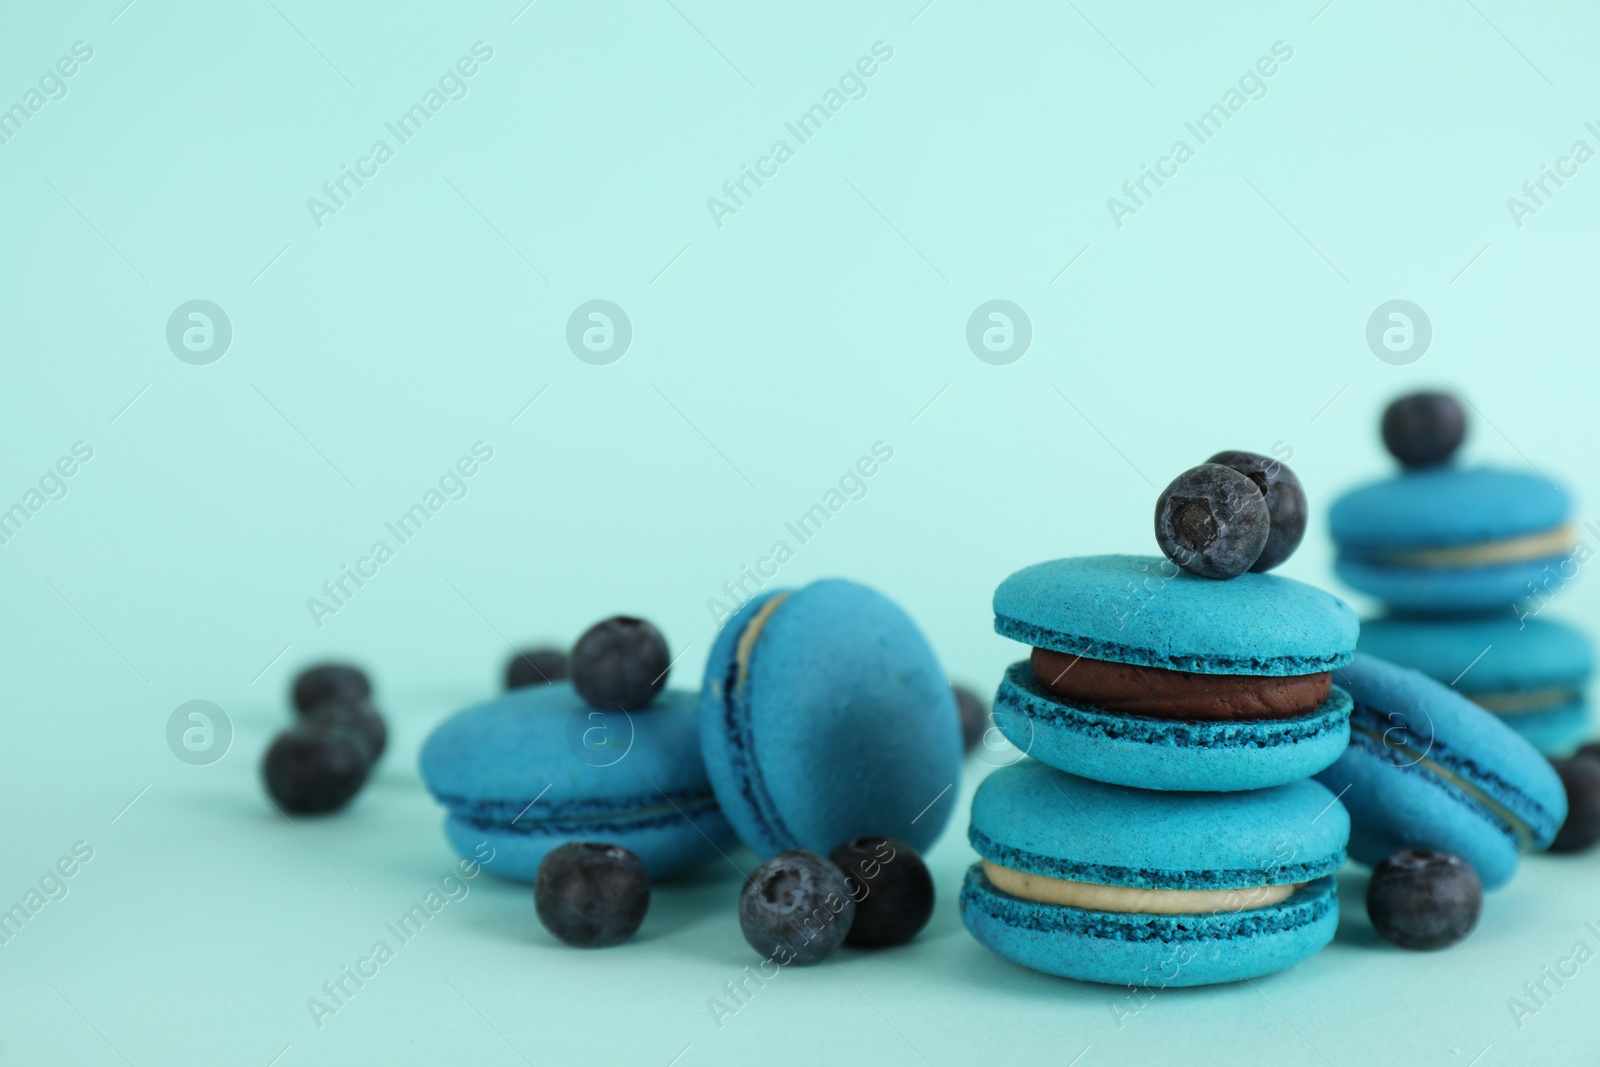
(825, 717)
(1450, 539)
(1429, 769)
(1108, 884)
(1531, 673)
(1145, 675)
(538, 768)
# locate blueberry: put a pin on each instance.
(892, 888)
(620, 663)
(536, 666)
(355, 716)
(329, 681)
(1212, 521)
(796, 908)
(1286, 503)
(591, 895)
(1424, 429)
(1424, 900)
(1581, 777)
(974, 716)
(314, 768)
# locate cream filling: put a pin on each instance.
(1521, 700)
(747, 639)
(1132, 900)
(1533, 546)
(1477, 797)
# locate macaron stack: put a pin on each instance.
(1466, 559)
(1163, 828)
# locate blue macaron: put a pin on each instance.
(1454, 539)
(1429, 769)
(1145, 675)
(1531, 672)
(538, 767)
(1109, 884)
(824, 717)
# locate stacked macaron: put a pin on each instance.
(1163, 828)
(1465, 559)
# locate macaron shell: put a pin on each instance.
(1391, 810)
(1555, 732)
(1451, 590)
(1494, 655)
(1143, 610)
(514, 747)
(1447, 506)
(667, 848)
(1498, 653)
(537, 767)
(1152, 951)
(1163, 754)
(841, 725)
(724, 735)
(1396, 795)
(1033, 818)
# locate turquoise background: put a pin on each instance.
(767, 355)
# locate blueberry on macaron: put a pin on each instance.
(315, 767)
(1424, 429)
(892, 888)
(1286, 503)
(1145, 676)
(620, 662)
(1213, 521)
(796, 908)
(536, 666)
(1424, 900)
(591, 895)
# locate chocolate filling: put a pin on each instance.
(1163, 694)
